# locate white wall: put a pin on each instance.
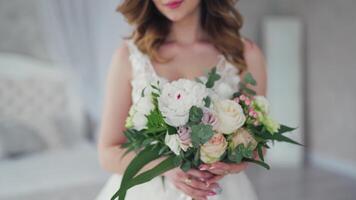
(282, 42)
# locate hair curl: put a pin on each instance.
(219, 18)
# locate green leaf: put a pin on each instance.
(196, 160)
(195, 114)
(199, 81)
(282, 138)
(207, 101)
(155, 87)
(260, 151)
(284, 129)
(246, 90)
(248, 79)
(201, 134)
(166, 165)
(171, 130)
(143, 92)
(140, 160)
(155, 119)
(212, 77)
(261, 163)
(154, 130)
(187, 165)
(163, 150)
(235, 155)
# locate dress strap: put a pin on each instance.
(139, 61)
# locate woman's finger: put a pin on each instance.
(226, 168)
(201, 175)
(193, 192)
(214, 180)
(195, 183)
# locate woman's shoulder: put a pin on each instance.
(256, 64)
(120, 63)
(122, 51)
(251, 49)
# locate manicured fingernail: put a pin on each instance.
(202, 179)
(203, 167)
(211, 194)
(212, 167)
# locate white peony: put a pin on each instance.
(230, 116)
(139, 112)
(178, 97)
(261, 104)
(211, 151)
(173, 142)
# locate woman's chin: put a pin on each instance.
(175, 17)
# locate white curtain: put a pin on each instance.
(83, 34)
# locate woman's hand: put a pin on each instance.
(194, 183)
(220, 169)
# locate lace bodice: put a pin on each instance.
(143, 73)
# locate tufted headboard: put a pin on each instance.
(39, 107)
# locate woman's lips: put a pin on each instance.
(174, 4)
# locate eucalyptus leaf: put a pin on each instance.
(207, 101)
(212, 77)
(248, 78)
(195, 114)
(201, 134)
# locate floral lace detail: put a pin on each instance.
(144, 73)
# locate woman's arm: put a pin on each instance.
(256, 65)
(117, 103)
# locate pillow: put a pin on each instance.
(18, 137)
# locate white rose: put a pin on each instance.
(230, 115)
(211, 151)
(173, 142)
(261, 104)
(178, 97)
(140, 110)
(224, 90)
(242, 136)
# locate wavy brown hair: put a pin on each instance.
(219, 19)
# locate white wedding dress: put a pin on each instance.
(235, 186)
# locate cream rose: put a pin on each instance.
(230, 116)
(242, 136)
(211, 151)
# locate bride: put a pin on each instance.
(175, 39)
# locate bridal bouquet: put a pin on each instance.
(188, 123)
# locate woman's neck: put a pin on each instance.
(187, 30)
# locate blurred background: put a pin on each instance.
(54, 56)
